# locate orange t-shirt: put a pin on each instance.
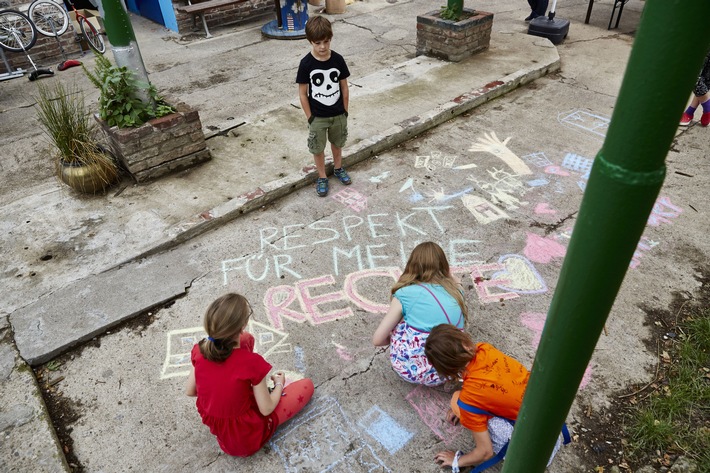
(493, 382)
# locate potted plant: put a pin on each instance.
(81, 162)
(149, 136)
(454, 32)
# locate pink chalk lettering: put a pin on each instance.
(543, 208)
(361, 301)
(542, 250)
(483, 286)
(310, 302)
(277, 299)
(663, 210)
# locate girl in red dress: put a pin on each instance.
(229, 380)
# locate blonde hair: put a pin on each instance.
(225, 318)
(428, 264)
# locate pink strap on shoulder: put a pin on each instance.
(442, 307)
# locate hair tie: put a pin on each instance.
(211, 339)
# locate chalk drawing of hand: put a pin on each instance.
(491, 144)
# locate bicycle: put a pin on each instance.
(17, 32)
(44, 12)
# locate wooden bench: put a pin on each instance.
(199, 9)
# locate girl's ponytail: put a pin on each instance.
(225, 319)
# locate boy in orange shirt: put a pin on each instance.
(490, 398)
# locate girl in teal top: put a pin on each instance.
(426, 295)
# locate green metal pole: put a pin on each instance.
(625, 180)
(124, 45)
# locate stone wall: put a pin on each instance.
(221, 16)
(160, 146)
(453, 41)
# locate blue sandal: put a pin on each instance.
(343, 176)
(322, 186)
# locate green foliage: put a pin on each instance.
(452, 11)
(119, 104)
(675, 417)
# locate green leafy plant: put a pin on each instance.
(452, 11)
(119, 103)
(67, 123)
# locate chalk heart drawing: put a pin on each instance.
(521, 276)
(543, 208)
(535, 321)
(543, 250)
(432, 406)
(323, 439)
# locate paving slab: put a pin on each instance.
(27, 438)
(83, 309)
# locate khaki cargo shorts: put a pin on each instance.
(335, 129)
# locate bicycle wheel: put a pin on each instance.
(17, 33)
(45, 13)
(92, 36)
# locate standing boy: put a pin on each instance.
(323, 91)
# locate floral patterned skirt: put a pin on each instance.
(408, 358)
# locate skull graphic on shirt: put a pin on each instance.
(325, 87)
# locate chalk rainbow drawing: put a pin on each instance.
(542, 250)
(484, 211)
(383, 428)
(519, 276)
(490, 143)
(663, 211)
(432, 406)
(590, 123)
(323, 439)
(535, 321)
(351, 199)
(268, 341)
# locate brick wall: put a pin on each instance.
(221, 16)
(453, 41)
(45, 52)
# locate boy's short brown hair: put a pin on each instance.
(318, 28)
(449, 350)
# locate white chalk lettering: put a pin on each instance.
(355, 252)
(293, 236)
(373, 225)
(278, 266)
(347, 227)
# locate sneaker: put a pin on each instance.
(705, 119)
(531, 16)
(322, 186)
(686, 119)
(343, 176)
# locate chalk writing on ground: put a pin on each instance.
(589, 123)
(268, 341)
(432, 406)
(434, 160)
(323, 439)
(644, 245)
(484, 211)
(383, 428)
(663, 211)
(351, 199)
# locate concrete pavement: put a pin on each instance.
(55, 239)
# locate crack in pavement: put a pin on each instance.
(551, 227)
(369, 365)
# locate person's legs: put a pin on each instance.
(294, 398)
(316, 145)
(541, 8)
(704, 101)
(338, 136)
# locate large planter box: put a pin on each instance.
(453, 41)
(161, 145)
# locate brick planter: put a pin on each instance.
(160, 146)
(453, 41)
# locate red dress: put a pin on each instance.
(226, 402)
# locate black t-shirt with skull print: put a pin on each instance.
(323, 79)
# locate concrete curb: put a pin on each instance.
(401, 132)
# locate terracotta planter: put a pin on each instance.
(161, 145)
(453, 40)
